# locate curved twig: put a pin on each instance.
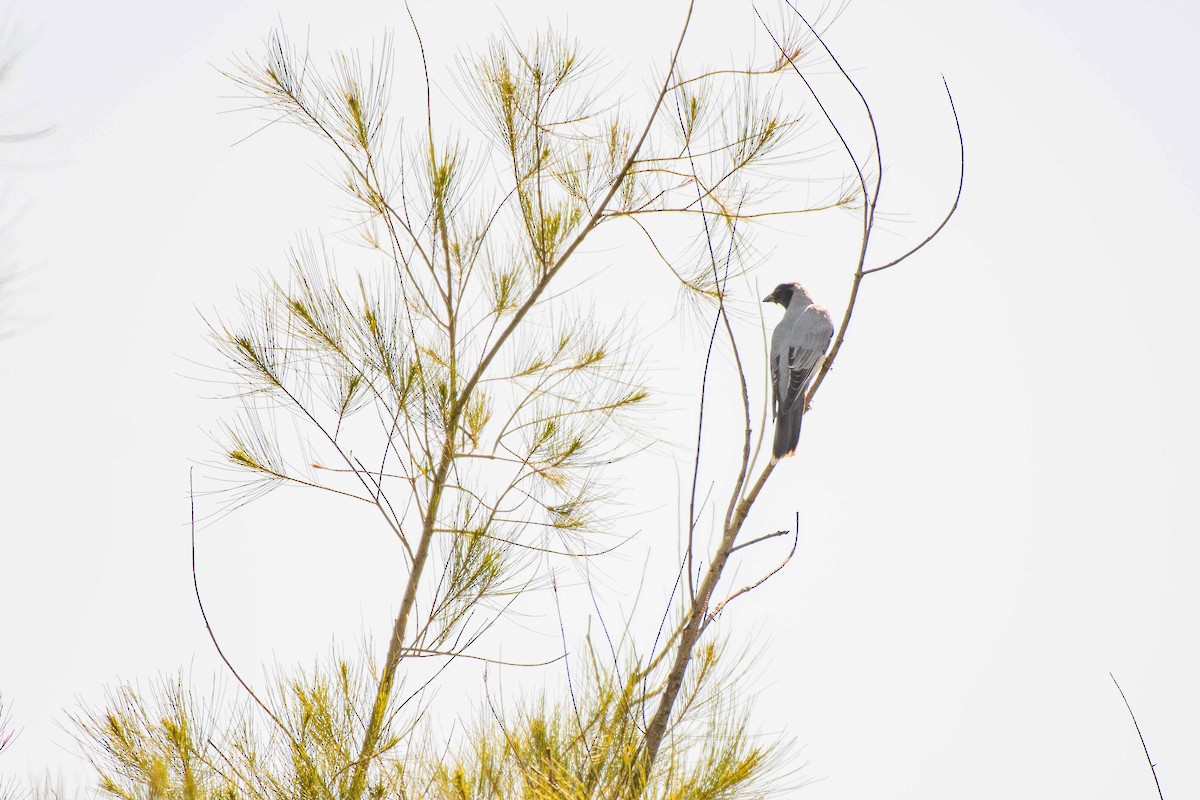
(869, 203)
(716, 611)
(296, 748)
(1141, 738)
(962, 171)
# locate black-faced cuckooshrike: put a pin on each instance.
(797, 348)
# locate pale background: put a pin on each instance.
(997, 483)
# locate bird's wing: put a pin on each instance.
(779, 356)
(803, 342)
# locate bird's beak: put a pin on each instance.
(769, 297)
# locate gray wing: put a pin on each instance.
(797, 346)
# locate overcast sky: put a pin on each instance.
(997, 485)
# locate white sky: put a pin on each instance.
(997, 483)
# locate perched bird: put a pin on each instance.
(797, 347)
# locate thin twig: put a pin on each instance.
(566, 657)
(720, 288)
(1141, 738)
(751, 587)
(204, 615)
(296, 747)
(962, 172)
(758, 539)
(425, 652)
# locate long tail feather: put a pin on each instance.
(787, 432)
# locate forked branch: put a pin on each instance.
(699, 610)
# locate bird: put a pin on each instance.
(798, 346)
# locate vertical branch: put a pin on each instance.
(721, 282)
(722, 316)
(562, 631)
(697, 616)
(869, 200)
(446, 460)
(439, 204)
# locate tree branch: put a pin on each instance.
(1141, 738)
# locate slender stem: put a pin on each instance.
(1141, 738)
(962, 173)
(212, 635)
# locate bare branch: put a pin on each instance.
(962, 170)
(1142, 739)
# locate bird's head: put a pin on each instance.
(784, 292)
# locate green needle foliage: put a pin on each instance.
(451, 385)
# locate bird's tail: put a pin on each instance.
(787, 432)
